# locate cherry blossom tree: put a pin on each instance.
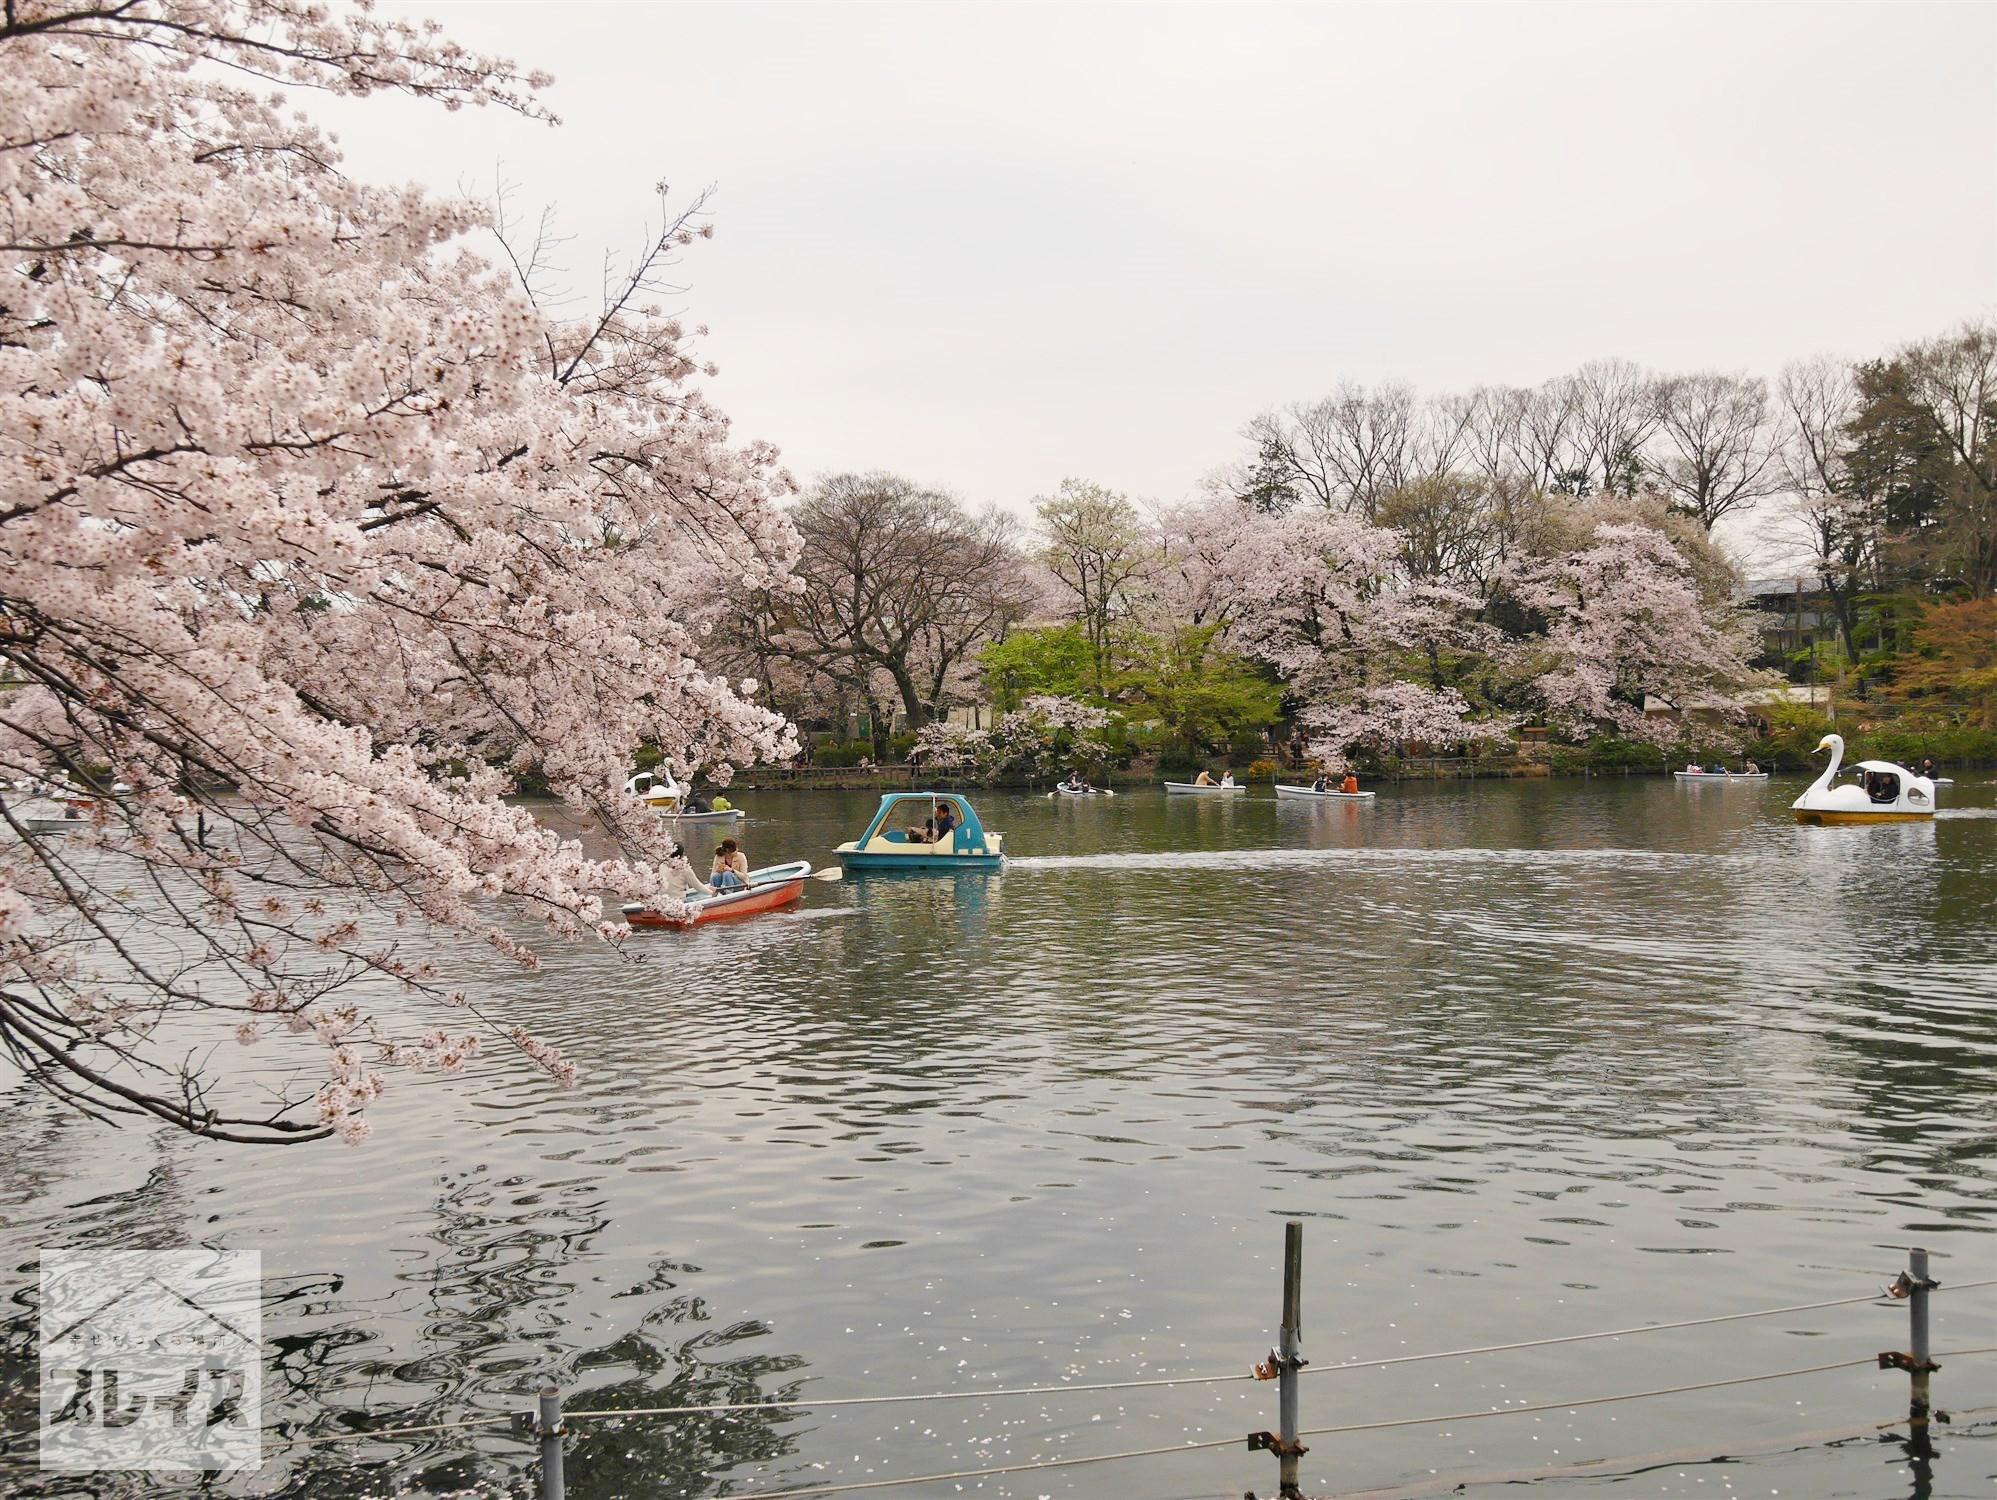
(1320, 596)
(1623, 619)
(316, 532)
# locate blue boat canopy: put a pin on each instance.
(901, 810)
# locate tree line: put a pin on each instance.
(1379, 567)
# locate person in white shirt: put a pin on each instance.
(1227, 778)
(680, 882)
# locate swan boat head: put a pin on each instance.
(1886, 793)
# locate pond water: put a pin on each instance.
(1525, 1058)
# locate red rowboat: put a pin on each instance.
(778, 886)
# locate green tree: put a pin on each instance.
(1028, 663)
(1201, 696)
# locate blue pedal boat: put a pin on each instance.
(887, 845)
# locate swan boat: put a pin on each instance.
(658, 789)
(1194, 789)
(885, 845)
(1721, 775)
(768, 890)
(1891, 794)
(1306, 794)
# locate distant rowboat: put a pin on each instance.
(1194, 789)
(1721, 775)
(1308, 794)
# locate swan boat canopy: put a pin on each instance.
(887, 845)
(1886, 793)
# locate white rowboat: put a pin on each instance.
(1721, 775)
(1189, 789)
(1305, 794)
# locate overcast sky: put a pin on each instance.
(993, 245)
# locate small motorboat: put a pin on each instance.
(1194, 789)
(768, 890)
(887, 844)
(658, 789)
(1721, 776)
(1307, 794)
(1888, 793)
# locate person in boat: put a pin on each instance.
(731, 868)
(679, 882)
(1227, 778)
(1349, 786)
(1693, 768)
(695, 803)
(1751, 769)
(1928, 767)
(722, 804)
(1322, 784)
(1203, 779)
(945, 822)
(1717, 770)
(1075, 782)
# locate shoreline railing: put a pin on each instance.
(549, 1425)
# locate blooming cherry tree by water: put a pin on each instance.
(316, 531)
(1623, 619)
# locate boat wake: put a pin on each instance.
(1291, 859)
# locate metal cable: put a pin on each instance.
(726, 1409)
(1665, 1390)
(822, 1403)
(386, 1432)
(1610, 1333)
(809, 1492)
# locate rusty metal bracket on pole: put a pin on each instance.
(1282, 1366)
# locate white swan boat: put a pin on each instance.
(1308, 794)
(1888, 793)
(1721, 776)
(1194, 789)
(658, 789)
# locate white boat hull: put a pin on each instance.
(1188, 789)
(1306, 794)
(707, 817)
(1721, 775)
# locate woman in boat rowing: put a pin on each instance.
(1322, 784)
(1203, 779)
(1076, 784)
(1751, 769)
(731, 868)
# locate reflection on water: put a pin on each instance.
(1528, 1058)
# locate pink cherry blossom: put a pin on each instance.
(318, 529)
